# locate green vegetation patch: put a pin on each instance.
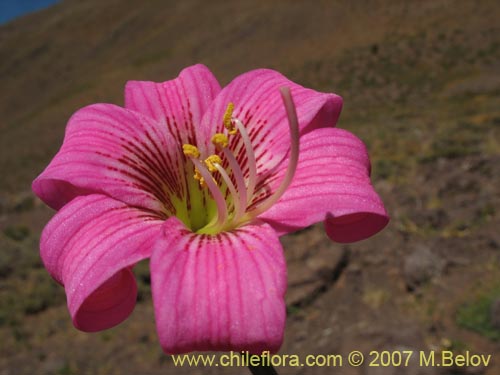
(476, 315)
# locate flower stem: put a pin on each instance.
(262, 370)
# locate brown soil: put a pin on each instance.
(421, 85)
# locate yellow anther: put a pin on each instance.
(197, 174)
(228, 114)
(203, 184)
(211, 160)
(190, 151)
(227, 119)
(220, 140)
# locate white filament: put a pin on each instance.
(214, 190)
(252, 164)
(293, 123)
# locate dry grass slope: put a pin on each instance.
(421, 84)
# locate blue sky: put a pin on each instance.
(10, 9)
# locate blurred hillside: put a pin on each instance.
(421, 86)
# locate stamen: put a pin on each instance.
(220, 140)
(237, 204)
(228, 124)
(242, 192)
(190, 151)
(240, 182)
(252, 169)
(211, 160)
(293, 123)
(197, 176)
(202, 182)
(214, 190)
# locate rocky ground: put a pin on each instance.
(421, 84)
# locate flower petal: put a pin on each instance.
(89, 246)
(221, 292)
(178, 104)
(258, 104)
(118, 152)
(332, 183)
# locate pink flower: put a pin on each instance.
(204, 188)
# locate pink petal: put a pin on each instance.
(114, 151)
(178, 104)
(89, 246)
(258, 103)
(259, 106)
(332, 183)
(222, 292)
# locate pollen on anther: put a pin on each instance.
(228, 119)
(220, 140)
(190, 151)
(202, 182)
(211, 160)
(197, 175)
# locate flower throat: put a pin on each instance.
(229, 204)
